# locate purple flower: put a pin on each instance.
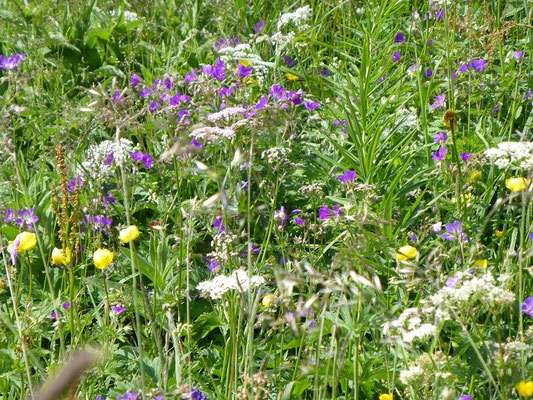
(10, 215)
(382, 78)
(478, 65)
(213, 265)
(226, 91)
(11, 61)
(191, 76)
(117, 97)
(153, 106)
(109, 159)
(219, 224)
(430, 42)
(527, 306)
(439, 101)
(278, 93)
(12, 248)
(465, 156)
(27, 217)
(531, 236)
(196, 143)
(243, 71)
(262, 103)
(428, 73)
(195, 394)
(347, 177)
(129, 396)
(399, 38)
(452, 282)
(66, 305)
(146, 159)
(325, 72)
(412, 237)
(281, 217)
(465, 397)
(135, 80)
(439, 14)
(144, 93)
(310, 106)
(396, 56)
(324, 212)
(454, 231)
(299, 221)
(496, 110)
(289, 61)
(463, 68)
(440, 137)
(518, 55)
(337, 210)
(259, 26)
(54, 315)
(217, 71)
(117, 309)
(108, 198)
(440, 154)
(295, 97)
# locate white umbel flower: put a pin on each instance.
(221, 284)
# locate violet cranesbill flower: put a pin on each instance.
(517, 55)
(439, 101)
(12, 249)
(430, 42)
(465, 156)
(454, 231)
(243, 71)
(26, 217)
(465, 397)
(440, 137)
(281, 217)
(10, 215)
(191, 76)
(452, 282)
(135, 80)
(310, 105)
(117, 97)
(325, 72)
(146, 159)
(196, 394)
(531, 236)
(118, 309)
(299, 221)
(336, 210)
(258, 27)
(66, 305)
(295, 97)
(153, 106)
(109, 159)
(12, 61)
(496, 110)
(463, 68)
(399, 38)
(278, 93)
(348, 176)
(262, 103)
(213, 265)
(226, 91)
(144, 93)
(54, 315)
(396, 56)
(219, 225)
(428, 73)
(324, 212)
(478, 65)
(289, 61)
(527, 306)
(440, 154)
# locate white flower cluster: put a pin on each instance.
(95, 165)
(243, 51)
(224, 244)
(514, 154)
(513, 350)
(419, 369)
(226, 113)
(471, 288)
(409, 327)
(298, 17)
(221, 284)
(129, 16)
(276, 155)
(212, 133)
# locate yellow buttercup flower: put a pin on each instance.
(525, 389)
(291, 77)
(244, 63)
(269, 300)
(406, 253)
(60, 256)
(481, 263)
(386, 396)
(498, 233)
(102, 258)
(475, 175)
(517, 184)
(128, 234)
(26, 241)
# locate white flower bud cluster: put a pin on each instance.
(221, 284)
(95, 166)
(513, 154)
(298, 17)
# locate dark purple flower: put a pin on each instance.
(348, 176)
(281, 217)
(196, 143)
(440, 154)
(463, 68)
(219, 224)
(259, 26)
(11, 61)
(465, 156)
(396, 56)
(109, 159)
(531, 236)
(324, 212)
(213, 265)
(135, 80)
(243, 71)
(147, 160)
(54, 315)
(299, 221)
(496, 110)
(26, 217)
(10, 215)
(439, 14)
(191, 76)
(195, 394)
(129, 396)
(295, 97)
(336, 210)
(382, 78)
(153, 106)
(430, 42)
(144, 93)
(478, 65)
(117, 309)
(399, 38)
(465, 397)
(428, 73)
(310, 105)
(412, 237)
(289, 61)
(262, 103)
(517, 55)
(226, 91)
(325, 72)
(527, 306)
(439, 101)
(66, 305)
(117, 97)
(107, 199)
(440, 137)
(136, 155)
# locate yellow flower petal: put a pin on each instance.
(60, 256)
(517, 184)
(128, 234)
(291, 77)
(27, 241)
(102, 258)
(481, 263)
(406, 253)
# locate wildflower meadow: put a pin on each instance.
(232, 199)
